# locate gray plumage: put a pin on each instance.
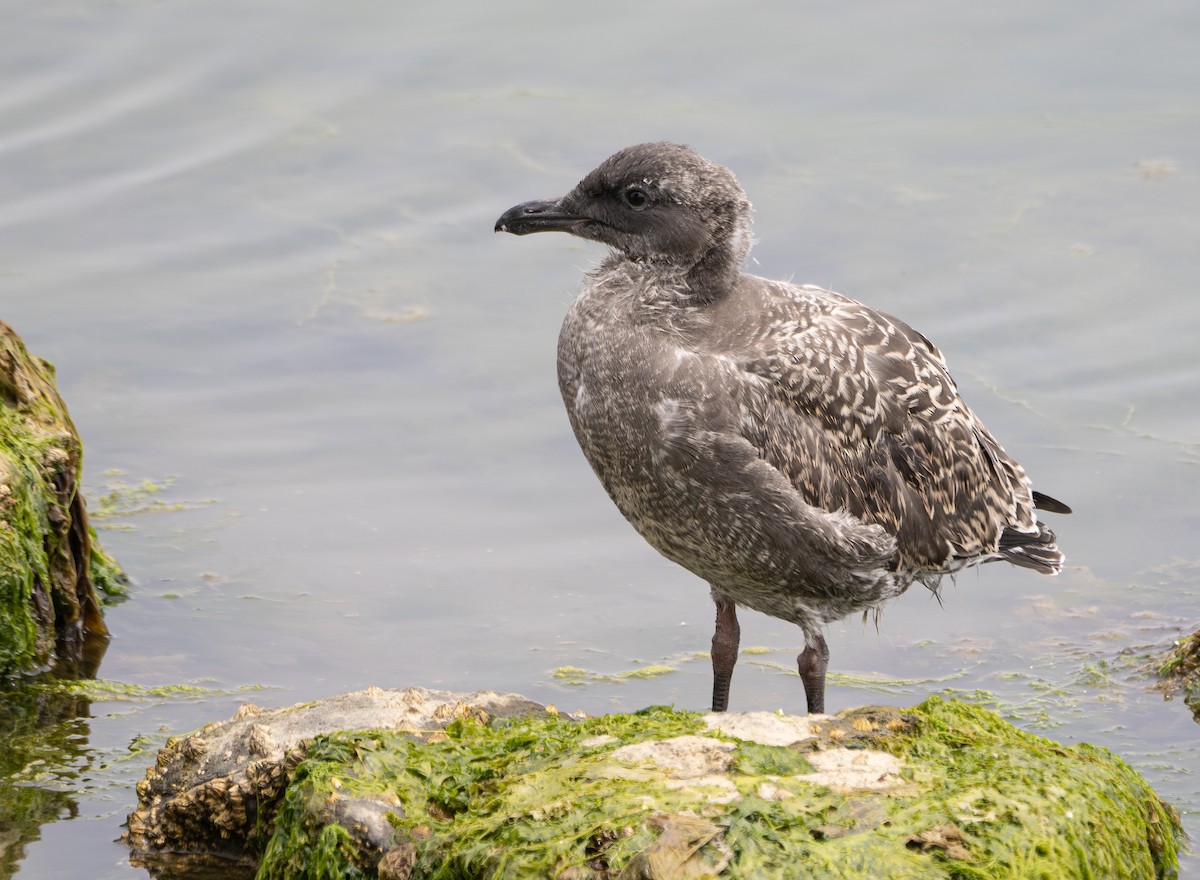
(806, 455)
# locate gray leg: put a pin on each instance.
(724, 650)
(813, 661)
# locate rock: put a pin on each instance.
(50, 562)
(762, 727)
(411, 784)
(1179, 672)
(694, 763)
(215, 791)
(849, 770)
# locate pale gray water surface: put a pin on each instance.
(256, 238)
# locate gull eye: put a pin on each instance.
(636, 198)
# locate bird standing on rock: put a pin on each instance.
(806, 455)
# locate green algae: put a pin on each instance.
(492, 801)
(121, 498)
(107, 575)
(577, 676)
(1183, 660)
(118, 498)
(755, 759)
(1029, 807)
(542, 797)
(24, 562)
(21, 561)
(867, 681)
(107, 690)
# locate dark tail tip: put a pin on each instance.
(1048, 504)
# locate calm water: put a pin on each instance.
(256, 240)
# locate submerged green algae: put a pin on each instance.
(542, 797)
(108, 690)
(119, 499)
(575, 675)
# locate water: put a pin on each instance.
(256, 240)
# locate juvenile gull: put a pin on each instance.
(806, 455)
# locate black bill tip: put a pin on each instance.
(539, 216)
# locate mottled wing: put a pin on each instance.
(861, 414)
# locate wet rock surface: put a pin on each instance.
(415, 783)
(214, 791)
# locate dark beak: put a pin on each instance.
(547, 215)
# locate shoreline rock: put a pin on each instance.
(51, 564)
(404, 784)
(1179, 672)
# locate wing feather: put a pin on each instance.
(859, 411)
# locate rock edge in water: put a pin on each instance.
(417, 783)
(1179, 672)
(50, 562)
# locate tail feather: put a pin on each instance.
(1048, 504)
(1037, 551)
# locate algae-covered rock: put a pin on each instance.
(940, 790)
(1179, 673)
(216, 791)
(50, 562)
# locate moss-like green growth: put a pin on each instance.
(50, 564)
(22, 561)
(1028, 807)
(544, 797)
(107, 575)
(1180, 672)
(512, 797)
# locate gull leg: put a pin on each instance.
(724, 650)
(812, 662)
